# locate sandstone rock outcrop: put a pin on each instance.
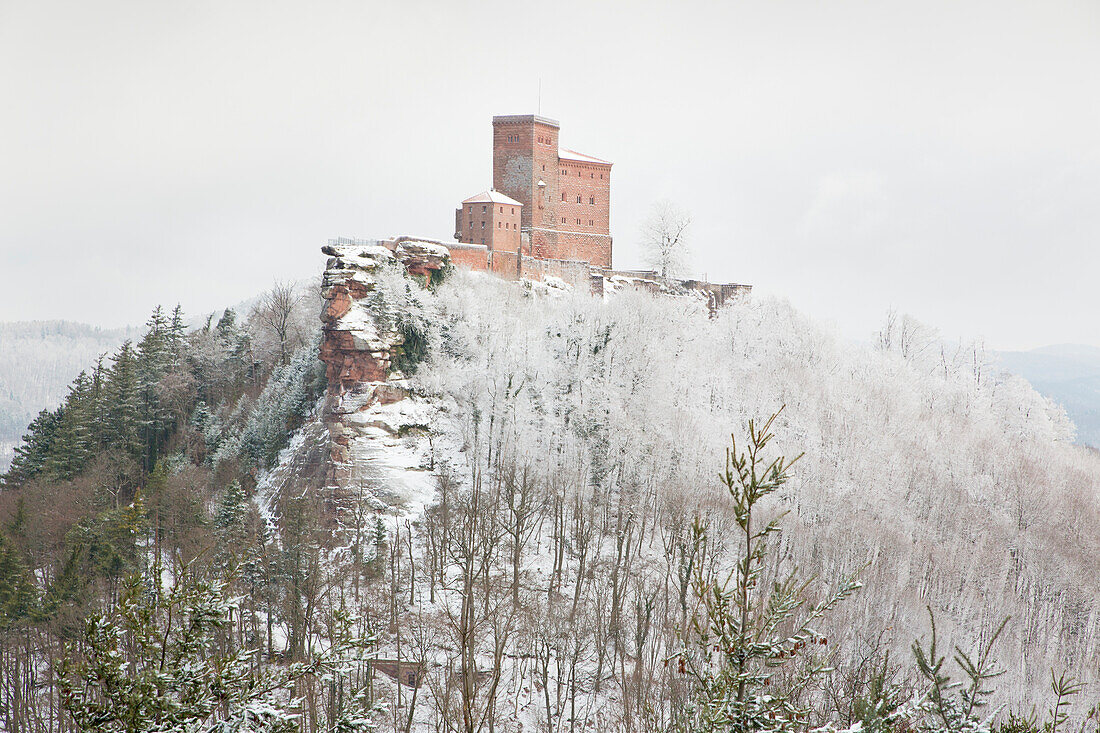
(359, 347)
(421, 259)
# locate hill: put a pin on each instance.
(511, 492)
(1069, 374)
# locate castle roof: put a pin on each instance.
(565, 154)
(491, 196)
(523, 120)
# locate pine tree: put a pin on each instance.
(32, 454)
(957, 706)
(18, 596)
(736, 647)
(123, 428)
(154, 663)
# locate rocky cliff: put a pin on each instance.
(364, 338)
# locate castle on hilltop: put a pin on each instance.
(547, 218)
(548, 212)
(547, 202)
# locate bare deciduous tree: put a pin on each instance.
(275, 314)
(664, 238)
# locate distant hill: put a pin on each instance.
(38, 360)
(1068, 374)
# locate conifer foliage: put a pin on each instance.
(744, 631)
(130, 545)
(163, 659)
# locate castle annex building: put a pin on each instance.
(558, 201)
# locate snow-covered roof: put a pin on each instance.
(565, 154)
(491, 196)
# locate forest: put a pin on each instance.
(644, 516)
(38, 359)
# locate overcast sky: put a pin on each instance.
(941, 158)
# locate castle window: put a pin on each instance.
(502, 209)
(578, 199)
(482, 224)
(578, 221)
(591, 175)
(601, 176)
(513, 209)
(591, 199)
(483, 209)
(563, 220)
(498, 225)
(590, 222)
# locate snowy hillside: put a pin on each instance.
(960, 489)
(953, 487)
(507, 493)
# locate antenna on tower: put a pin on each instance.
(540, 95)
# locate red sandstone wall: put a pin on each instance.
(494, 225)
(473, 256)
(525, 151)
(577, 274)
(584, 192)
(566, 245)
(506, 265)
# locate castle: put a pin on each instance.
(557, 201)
(548, 212)
(547, 216)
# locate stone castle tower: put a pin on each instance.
(565, 196)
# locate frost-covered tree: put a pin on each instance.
(664, 238)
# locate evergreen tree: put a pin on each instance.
(742, 635)
(123, 427)
(154, 663)
(18, 596)
(32, 454)
(959, 706)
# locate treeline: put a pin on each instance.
(148, 462)
(38, 361)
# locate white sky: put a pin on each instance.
(942, 158)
